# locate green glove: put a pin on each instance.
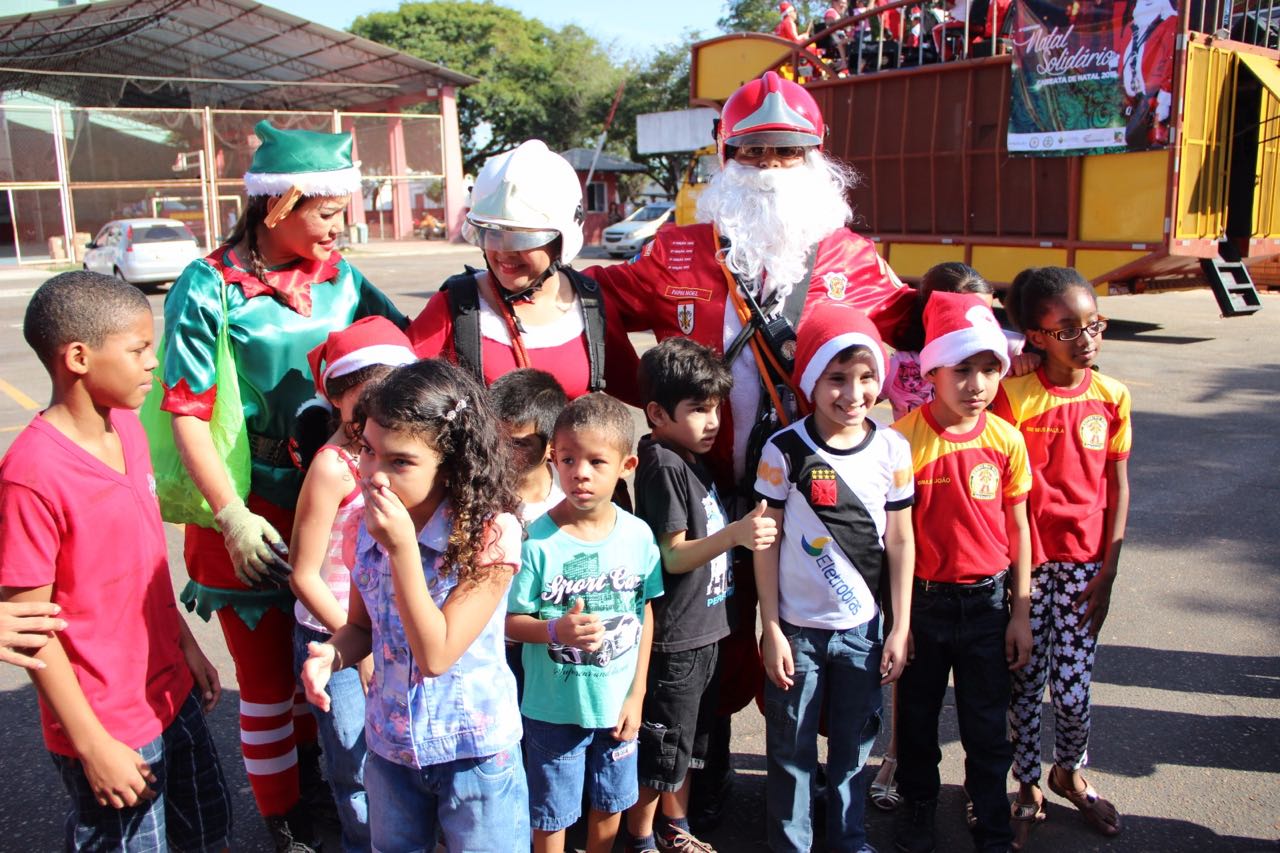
(257, 552)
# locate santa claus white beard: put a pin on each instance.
(773, 216)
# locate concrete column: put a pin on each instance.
(401, 205)
(455, 191)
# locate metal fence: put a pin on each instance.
(66, 171)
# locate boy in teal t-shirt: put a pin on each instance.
(580, 603)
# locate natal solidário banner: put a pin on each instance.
(1091, 76)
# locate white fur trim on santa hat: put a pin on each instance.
(335, 182)
(982, 335)
(832, 348)
(391, 355)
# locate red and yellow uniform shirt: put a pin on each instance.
(964, 482)
(1071, 435)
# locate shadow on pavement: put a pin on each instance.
(1194, 672)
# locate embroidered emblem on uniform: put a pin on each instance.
(1093, 432)
(684, 315)
(984, 482)
(836, 284)
(822, 487)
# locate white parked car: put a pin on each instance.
(142, 251)
(623, 239)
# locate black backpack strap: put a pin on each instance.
(847, 521)
(464, 307)
(592, 300)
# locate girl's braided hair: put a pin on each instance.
(446, 406)
(1025, 299)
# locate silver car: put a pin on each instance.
(142, 251)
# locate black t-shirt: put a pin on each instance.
(674, 495)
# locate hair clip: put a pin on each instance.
(458, 407)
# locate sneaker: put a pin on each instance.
(681, 841)
(914, 830)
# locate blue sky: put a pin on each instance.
(635, 28)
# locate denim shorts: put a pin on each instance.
(562, 759)
(477, 805)
(679, 710)
(192, 807)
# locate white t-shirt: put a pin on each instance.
(531, 510)
(819, 584)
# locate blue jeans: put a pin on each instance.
(836, 672)
(342, 739)
(563, 758)
(192, 807)
(959, 632)
(480, 805)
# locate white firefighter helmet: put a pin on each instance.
(525, 198)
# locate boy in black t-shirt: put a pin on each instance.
(683, 384)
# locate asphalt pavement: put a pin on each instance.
(1186, 706)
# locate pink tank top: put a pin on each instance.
(336, 571)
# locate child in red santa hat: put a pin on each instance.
(970, 599)
(839, 487)
(324, 535)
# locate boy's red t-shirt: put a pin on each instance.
(963, 484)
(95, 534)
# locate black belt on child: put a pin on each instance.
(983, 586)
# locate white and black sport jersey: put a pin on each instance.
(834, 506)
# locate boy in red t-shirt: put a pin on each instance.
(970, 608)
(80, 527)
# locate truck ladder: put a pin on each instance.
(1232, 285)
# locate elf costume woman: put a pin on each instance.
(287, 288)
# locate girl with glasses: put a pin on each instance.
(1076, 425)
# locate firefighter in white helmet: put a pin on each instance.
(528, 307)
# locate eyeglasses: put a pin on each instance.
(1094, 329)
(759, 152)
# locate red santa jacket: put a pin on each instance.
(677, 286)
(1155, 55)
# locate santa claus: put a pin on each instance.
(771, 246)
(1146, 72)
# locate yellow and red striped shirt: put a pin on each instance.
(1071, 435)
(964, 482)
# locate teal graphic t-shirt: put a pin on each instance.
(614, 577)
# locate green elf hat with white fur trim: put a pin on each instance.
(315, 163)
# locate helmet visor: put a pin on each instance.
(506, 238)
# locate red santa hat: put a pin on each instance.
(957, 326)
(784, 7)
(369, 341)
(825, 332)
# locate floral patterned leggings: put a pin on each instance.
(1061, 657)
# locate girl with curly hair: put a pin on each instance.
(434, 557)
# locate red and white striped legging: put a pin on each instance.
(274, 717)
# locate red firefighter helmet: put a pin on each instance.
(770, 111)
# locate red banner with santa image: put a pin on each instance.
(1091, 76)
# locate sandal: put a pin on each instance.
(884, 795)
(1097, 812)
(1025, 817)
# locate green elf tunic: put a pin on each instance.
(272, 327)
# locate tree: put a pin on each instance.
(656, 84)
(761, 16)
(535, 82)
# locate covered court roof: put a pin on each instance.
(234, 54)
